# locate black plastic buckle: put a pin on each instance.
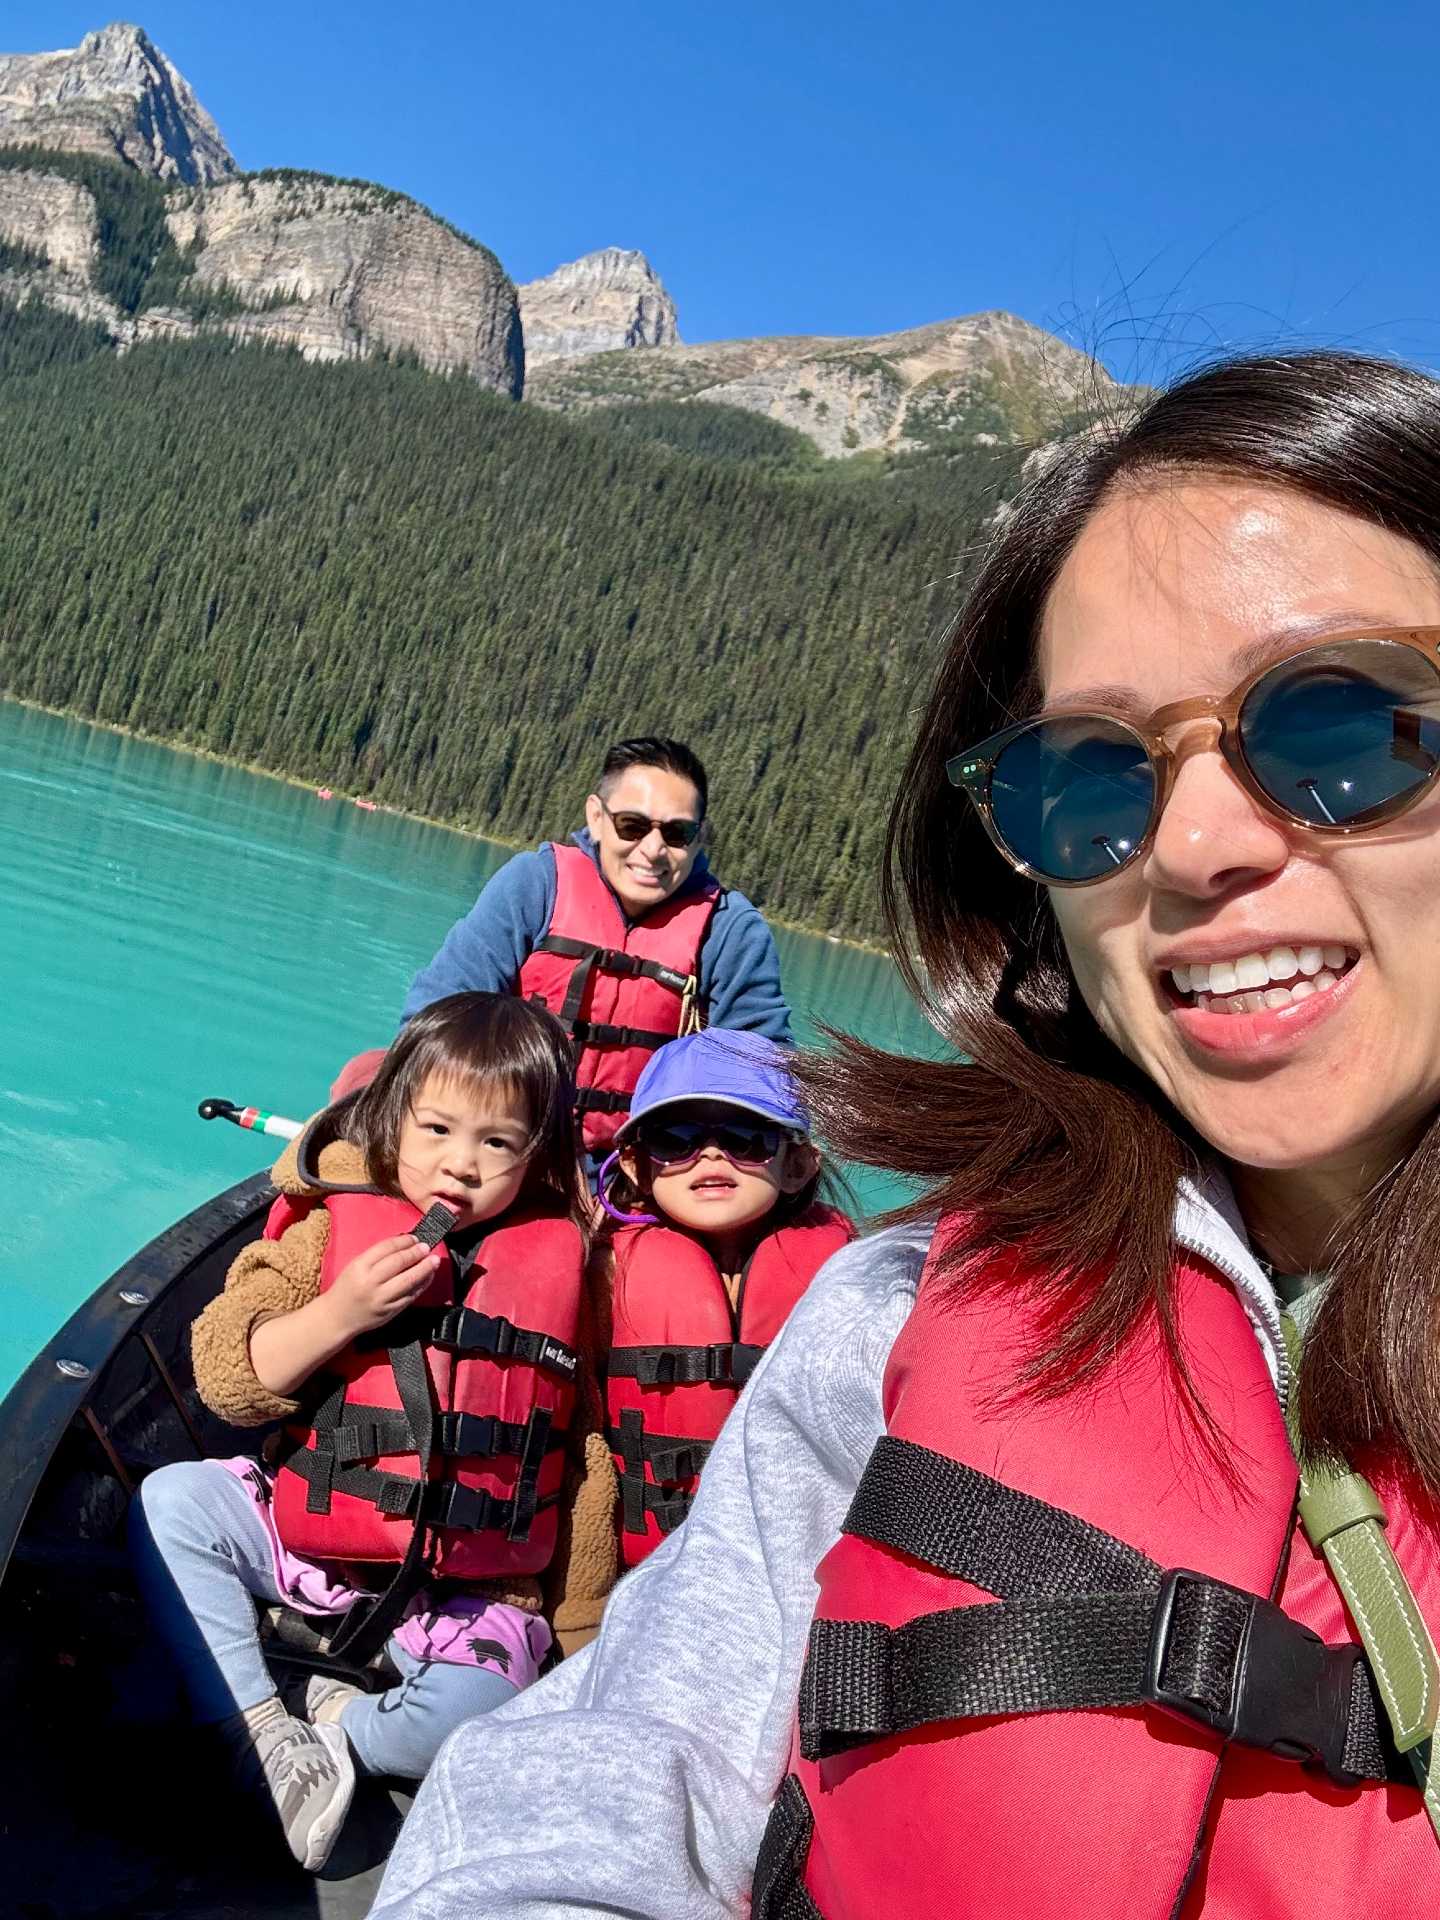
(449, 1503)
(465, 1330)
(469, 1435)
(615, 960)
(720, 1364)
(656, 1366)
(1289, 1691)
(448, 1330)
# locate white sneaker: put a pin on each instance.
(309, 1776)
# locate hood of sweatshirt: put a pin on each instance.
(321, 1159)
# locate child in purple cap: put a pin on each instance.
(717, 1232)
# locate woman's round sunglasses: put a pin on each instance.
(681, 1140)
(1340, 737)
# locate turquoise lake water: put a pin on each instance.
(174, 929)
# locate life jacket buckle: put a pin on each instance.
(1237, 1663)
(450, 1503)
(497, 1335)
(720, 1364)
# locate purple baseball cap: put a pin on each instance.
(733, 1067)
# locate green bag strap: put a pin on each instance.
(1344, 1520)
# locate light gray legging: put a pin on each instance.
(202, 1557)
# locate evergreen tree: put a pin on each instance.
(402, 585)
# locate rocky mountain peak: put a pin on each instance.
(981, 379)
(609, 299)
(117, 96)
(118, 51)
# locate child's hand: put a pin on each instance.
(381, 1282)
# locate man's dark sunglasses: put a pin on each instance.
(635, 826)
(672, 1144)
(1340, 737)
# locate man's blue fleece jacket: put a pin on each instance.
(739, 967)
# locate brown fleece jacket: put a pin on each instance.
(272, 1277)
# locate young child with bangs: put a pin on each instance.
(717, 1228)
(415, 1316)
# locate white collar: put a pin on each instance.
(1207, 1222)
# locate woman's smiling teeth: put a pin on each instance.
(1255, 982)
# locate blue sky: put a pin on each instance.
(1156, 183)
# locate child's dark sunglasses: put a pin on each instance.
(635, 826)
(1340, 737)
(681, 1140)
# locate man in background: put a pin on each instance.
(623, 932)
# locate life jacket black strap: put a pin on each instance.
(367, 1627)
(779, 1891)
(728, 1363)
(599, 1033)
(943, 1512)
(368, 1432)
(328, 1414)
(464, 1332)
(669, 1458)
(438, 1503)
(668, 1507)
(1083, 1620)
(613, 960)
(601, 1100)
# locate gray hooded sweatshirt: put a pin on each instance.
(636, 1779)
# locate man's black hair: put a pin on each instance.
(672, 756)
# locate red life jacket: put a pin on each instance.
(482, 1385)
(619, 987)
(940, 1790)
(680, 1353)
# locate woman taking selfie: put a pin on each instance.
(996, 1599)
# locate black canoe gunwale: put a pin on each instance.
(36, 1413)
(72, 1447)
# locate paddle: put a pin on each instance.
(255, 1118)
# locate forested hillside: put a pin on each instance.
(404, 586)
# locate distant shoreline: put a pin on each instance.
(380, 806)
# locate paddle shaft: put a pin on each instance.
(255, 1119)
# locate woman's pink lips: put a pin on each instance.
(1260, 1036)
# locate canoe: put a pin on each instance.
(108, 1802)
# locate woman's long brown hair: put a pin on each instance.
(1051, 1143)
